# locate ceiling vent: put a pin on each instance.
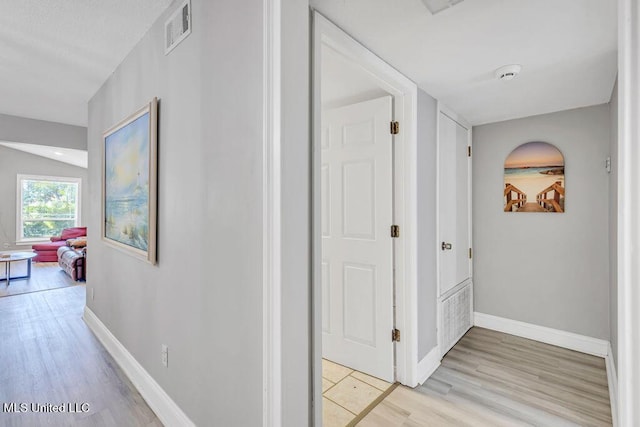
(437, 6)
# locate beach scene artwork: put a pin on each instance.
(534, 179)
(126, 188)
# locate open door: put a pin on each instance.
(357, 250)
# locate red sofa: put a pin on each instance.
(48, 252)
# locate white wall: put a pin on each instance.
(427, 230)
(613, 226)
(204, 297)
(14, 162)
(546, 269)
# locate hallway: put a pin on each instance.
(50, 357)
(493, 379)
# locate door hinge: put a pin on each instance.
(470, 253)
(395, 231)
(395, 335)
(468, 150)
(395, 128)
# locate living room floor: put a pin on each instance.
(44, 276)
(49, 356)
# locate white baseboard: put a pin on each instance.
(158, 400)
(612, 379)
(581, 343)
(428, 365)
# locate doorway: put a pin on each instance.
(364, 281)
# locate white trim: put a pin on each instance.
(628, 208)
(271, 219)
(405, 93)
(316, 228)
(158, 400)
(444, 109)
(31, 242)
(20, 240)
(569, 340)
(428, 365)
(612, 380)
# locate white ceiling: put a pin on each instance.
(55, 54)
(71, 156)
(567, 50)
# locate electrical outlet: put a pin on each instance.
(165, 355)
(93, 294)
(6, 245)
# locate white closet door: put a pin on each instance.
(455, 266)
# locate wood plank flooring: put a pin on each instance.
(49, 356)
(494, 379)
(44, 276)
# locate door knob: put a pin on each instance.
(446, 246)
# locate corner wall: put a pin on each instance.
(296, 216)
(546, 269)
(613, 226)
(427, 232)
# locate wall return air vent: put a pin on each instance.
(437, 6)
(177, 27)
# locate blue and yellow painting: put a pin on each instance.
(127, 184)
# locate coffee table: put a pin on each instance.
(13, 257)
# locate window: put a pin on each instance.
(46, 205)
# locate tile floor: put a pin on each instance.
(346, 393)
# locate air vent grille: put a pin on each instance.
(456, 317)
(177, 27)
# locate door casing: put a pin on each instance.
(405, 94)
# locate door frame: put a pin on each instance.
(443, 109)
(405, 93)
(628, 412)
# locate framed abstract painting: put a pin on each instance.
(129, 191)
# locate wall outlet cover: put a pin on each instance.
(165, 355)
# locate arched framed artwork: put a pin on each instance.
(534, 179)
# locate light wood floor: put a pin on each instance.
(44, 276)
(495, 379)
(49, 356)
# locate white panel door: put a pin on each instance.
(357, 251)
(455, 239)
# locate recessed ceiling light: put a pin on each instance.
(57, 153)
(436, 6)
(508, 72)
